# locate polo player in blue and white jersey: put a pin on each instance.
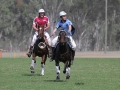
(66, 25)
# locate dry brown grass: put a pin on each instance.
(113, 54)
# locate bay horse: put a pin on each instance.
(63, 54)
(40, 49)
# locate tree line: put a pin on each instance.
(87, 16)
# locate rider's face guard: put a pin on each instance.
(41, 13)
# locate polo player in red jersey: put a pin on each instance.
(40, 20)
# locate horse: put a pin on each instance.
(40, 49)
(63, 53)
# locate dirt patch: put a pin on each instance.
(78, 54)
(97, 55)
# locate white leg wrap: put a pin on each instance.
(57, 70)
(32, 63)
(42, 66)
(68, 71)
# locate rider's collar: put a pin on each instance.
(63, 21)
(41, 17)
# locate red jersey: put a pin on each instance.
(41, 21)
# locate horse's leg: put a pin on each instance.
(68, 70)
(33, 63)
(57, 70)
(44, 57)
(65, 67)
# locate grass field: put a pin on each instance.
(86, 74)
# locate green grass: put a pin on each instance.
(86, 74)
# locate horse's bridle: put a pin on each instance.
(65, 42)
(41, 35)
(62, 31)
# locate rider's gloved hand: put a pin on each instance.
(53, 33)
(69, 32)
(45, 29)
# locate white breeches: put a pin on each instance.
(35, 38)
(54, 41)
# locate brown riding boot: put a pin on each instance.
(29, 53)
(53, 54)
(49, 51)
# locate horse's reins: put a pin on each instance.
(65, 52)
(65, 45)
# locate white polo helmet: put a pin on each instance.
(41, 11)
(62, 13)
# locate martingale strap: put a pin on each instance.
(42, 44)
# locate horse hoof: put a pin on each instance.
(64, 72)
(57, 78)
(67, 77)
(42, 74)
(32, 69)
(32, 72)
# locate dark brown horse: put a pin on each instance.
(40, 49)
(63, 54)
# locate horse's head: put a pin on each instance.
(40, 32)
(41, 37)
(62, 37)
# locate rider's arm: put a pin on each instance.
(54, 31)
(57, 26)
(69, 23)
(34, 24)
(48, 25)
(69, 30)
(34, 27)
